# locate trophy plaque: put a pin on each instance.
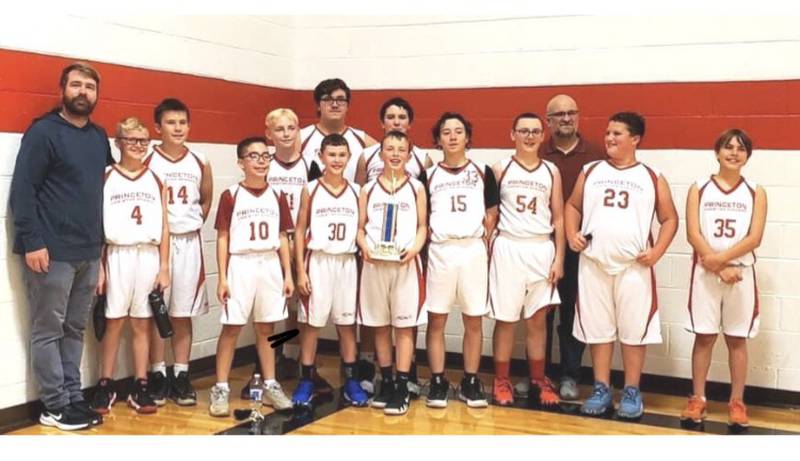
(386, 249)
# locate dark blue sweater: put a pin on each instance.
(57, 189)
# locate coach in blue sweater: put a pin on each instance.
(57, 203)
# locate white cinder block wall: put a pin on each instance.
(435, 52)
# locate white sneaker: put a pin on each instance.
(219, 402)
(274, 397)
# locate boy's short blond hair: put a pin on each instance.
(274, 115)
(130, 124)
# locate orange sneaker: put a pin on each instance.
(503, 392)
(695, 410)
(737, 413)
(547, 394)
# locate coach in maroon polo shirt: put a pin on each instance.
(569, 151)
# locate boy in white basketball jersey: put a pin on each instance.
(725, 219)
(255, 275)
(393, 208)
(289, 173)
(135, 262)
(463, 212)
(332, 97)
(526, 258)
(327, 272)
(396, 114)
(187, 178)
(608, 219)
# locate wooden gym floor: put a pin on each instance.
(332, 417)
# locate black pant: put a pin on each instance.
(571, 349)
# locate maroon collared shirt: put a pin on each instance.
(570, 164)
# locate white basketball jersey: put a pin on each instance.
(311, 140)
(525, 198)
(182, 178)
(255, 219)
(618, 209)
(392, 217)
(457, 201)
(290, 179)
(372, 159)
(132, 212)
(725, 216)
(332, 219)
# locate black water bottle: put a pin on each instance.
(99, 317)
(160, 314)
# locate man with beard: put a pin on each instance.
(57, 201)
(569, 151)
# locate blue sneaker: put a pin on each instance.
(354, 394)
(303, 394)
(630, 406)
(599, 402)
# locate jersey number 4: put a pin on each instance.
(182, 194)
(136, 215)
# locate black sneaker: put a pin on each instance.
(181, 390)
(365, 374)
(104, 396)
(66, 418)
(158, 387)
(140, 399)
(471, 391)
(398, 403)
(286, 368)
(95, 418)
(384, 396)
(438, 393)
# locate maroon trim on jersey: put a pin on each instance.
(398, 189)
(621, 168)
(291, 164)
(368, 160)
(481, 173)
(529, 170)
(361, 141)
(309, 214)
(285, 223)
(158, 181)
(691, 290)
(311, 135)
(503, 175)
(454, 171)
(756, 304)
(732, 189)
(202, 277)
(160, 151)
(653, 301)
(132, 179)
(306, 300)
(421, 294)
(359, 274)
(330, 192)
(353, 190)
(227, 202)
(586, 178)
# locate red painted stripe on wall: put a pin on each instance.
(679, 115)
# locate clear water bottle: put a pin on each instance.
(256, 392)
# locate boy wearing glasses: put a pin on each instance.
(526, 258)
(135, 261)
(332, 97)
(187, 178)
(255, 274)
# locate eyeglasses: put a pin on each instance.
(141, 142)
(524, 132)
(562, 114)
(331, 101)
(255, 156)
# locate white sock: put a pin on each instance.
(159, 367)
(291, 351)
(224, 386)
(368, 356)
(179, 367)
(270, 383)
